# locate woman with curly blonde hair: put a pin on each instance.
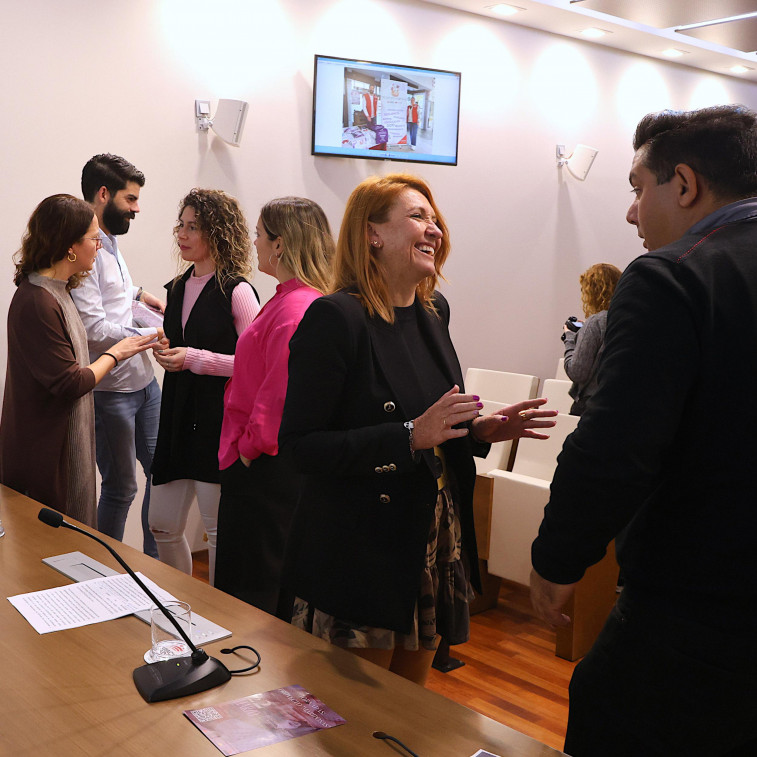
(209, 305)
(584, 344)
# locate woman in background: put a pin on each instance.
(208, 306)
(584, 344)
(47, 431)
(259, 488)
(382, 548)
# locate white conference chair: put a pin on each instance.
(557, 392)
(500, 386)
(497, 390)
(518, 501)
(499, 454)
(560, 372)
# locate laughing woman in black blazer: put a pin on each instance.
(382, 552)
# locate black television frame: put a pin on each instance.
(382, 155)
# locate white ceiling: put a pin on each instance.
(646, 27)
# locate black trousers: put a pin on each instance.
(254, 517)
(660, 686)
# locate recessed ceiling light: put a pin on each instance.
(502, 9)
(671, 52)
(739, 69)
(593, 33)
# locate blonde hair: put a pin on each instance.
(356, 265)
(221, 222)
(306, 240)
(598, 286)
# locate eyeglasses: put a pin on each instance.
(97, 240)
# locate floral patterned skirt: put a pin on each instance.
(442, 606)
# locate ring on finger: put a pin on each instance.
(523, 415)
(444, 422)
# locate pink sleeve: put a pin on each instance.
(244, 308)
(261, 436)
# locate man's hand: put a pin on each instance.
(548, 599)
(152, 301)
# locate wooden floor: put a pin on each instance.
(510, 674)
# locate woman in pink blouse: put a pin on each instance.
(259, 489)
(209, 306)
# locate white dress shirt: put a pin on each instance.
(103, 300)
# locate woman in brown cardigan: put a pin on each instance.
(47, 432)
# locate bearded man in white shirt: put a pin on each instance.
(127, 402)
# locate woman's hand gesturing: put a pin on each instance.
(435, 426)
(515, 421)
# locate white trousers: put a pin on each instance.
(169, 509)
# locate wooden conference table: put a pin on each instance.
(71, 692)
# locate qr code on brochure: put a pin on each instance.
(206, 714)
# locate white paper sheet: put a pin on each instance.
(85, 603)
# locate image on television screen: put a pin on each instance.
(363, 109)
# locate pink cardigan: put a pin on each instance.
(254, 397)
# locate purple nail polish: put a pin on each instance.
(479, 405)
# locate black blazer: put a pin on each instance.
(358, 540)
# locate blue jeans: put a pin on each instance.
(413, 131)
(126, 429)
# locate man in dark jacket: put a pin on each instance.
(668, 448)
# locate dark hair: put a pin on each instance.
(109, 171)
(56, 223)
(221, 221)
(719, 143)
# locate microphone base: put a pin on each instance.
(171, 679)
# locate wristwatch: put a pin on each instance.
(410, 426)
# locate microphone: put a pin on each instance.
(387, 737)
(167, 679)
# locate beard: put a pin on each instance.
(116, 221)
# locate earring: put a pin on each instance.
(71, 256)
(376, 244)
(270, 260)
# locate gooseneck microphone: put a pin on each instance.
(387, 737)
(167, 679)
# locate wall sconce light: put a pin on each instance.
(228, 122)
(579, 162)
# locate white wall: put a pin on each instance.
(84, 77)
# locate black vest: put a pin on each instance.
(191, 410)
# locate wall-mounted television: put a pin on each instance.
(364, 109)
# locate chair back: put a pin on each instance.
(500, 386)
(499, 454)
(538, 457)
(557, 392)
